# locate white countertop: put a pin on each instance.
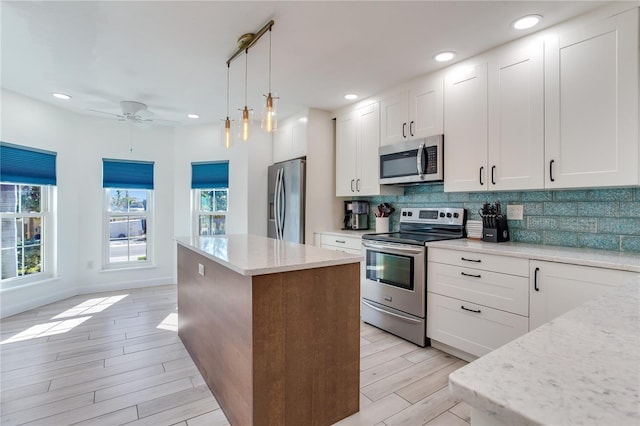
(577, 256)
(348, 232)
(255, 255)
(580, 368)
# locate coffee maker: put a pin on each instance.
(356, 215)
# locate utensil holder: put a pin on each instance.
(382, 225)
(495, 228)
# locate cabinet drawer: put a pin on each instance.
(453, 322)
(340, 241)
(486, 262)
(346, 250)
(500, 291)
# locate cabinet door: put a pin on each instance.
(516, 119)
(556, 288)
(299, 139)
(282, 144)
(470, 327)
(465, 128)
(426, 108)
(591, 105)
(394, 126)
(368, 136)
(346, 154)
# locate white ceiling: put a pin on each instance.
(172, 55)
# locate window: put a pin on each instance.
(210, 186)
(27, 177)
(128, 192)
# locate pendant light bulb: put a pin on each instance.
(269, 118)
(245, 124)
(227, 133)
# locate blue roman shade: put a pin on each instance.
(210, 175)
(19, 164)
(127, 174)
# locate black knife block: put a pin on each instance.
(495, 229)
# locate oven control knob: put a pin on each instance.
(449, 215)
(441, 214)
(456, 215)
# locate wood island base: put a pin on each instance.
(275, 349)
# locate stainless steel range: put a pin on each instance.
(394, 287)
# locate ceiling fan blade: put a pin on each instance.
(107, 113)
(144, 113)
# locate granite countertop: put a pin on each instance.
(256, 255)
(580, 368)
(577, 256)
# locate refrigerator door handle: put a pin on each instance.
(276, 203)
(282, 204)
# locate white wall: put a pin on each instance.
(81, 143)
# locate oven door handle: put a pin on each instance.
(392, 248)
(391, 313)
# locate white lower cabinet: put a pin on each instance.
(473, 328)
(476, 302)
(556, 288)
(340, 242)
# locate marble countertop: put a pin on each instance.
(256, 255)
(580, 368)
(577, 256)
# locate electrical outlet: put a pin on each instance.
(201, 269)
(515, 212)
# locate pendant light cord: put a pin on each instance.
(246, 72)
(269, 59)
(228, 68)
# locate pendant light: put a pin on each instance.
(269, 118)
(245, 118)
(226, 130)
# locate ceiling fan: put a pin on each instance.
(134, 112)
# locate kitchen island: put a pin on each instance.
(580, 368)
(273, 326)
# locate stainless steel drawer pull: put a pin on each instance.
(471, 275)
(470, 310)
(471, 260)
(341, 241)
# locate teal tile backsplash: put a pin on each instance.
(606, 218)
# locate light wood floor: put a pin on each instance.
(115, 358)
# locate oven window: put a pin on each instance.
(391, 269)
(400, 164)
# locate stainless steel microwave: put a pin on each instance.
(414, 161)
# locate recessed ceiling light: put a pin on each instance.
(61, 96)
(444, 56)
(193, 116)
(527, 22)
(350, 96)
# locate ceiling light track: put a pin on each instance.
(246, 41)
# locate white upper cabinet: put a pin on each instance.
(465, 127)
(357, 161)
(290, 139)
(494, 121)
(416, 112)
(591, 105)
(516, 118)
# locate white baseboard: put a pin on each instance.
(36, 302)
(453, 351)
(124, 285)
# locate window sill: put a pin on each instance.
(27, 282)
(126, 268)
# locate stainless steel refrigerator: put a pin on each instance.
(286, 201)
